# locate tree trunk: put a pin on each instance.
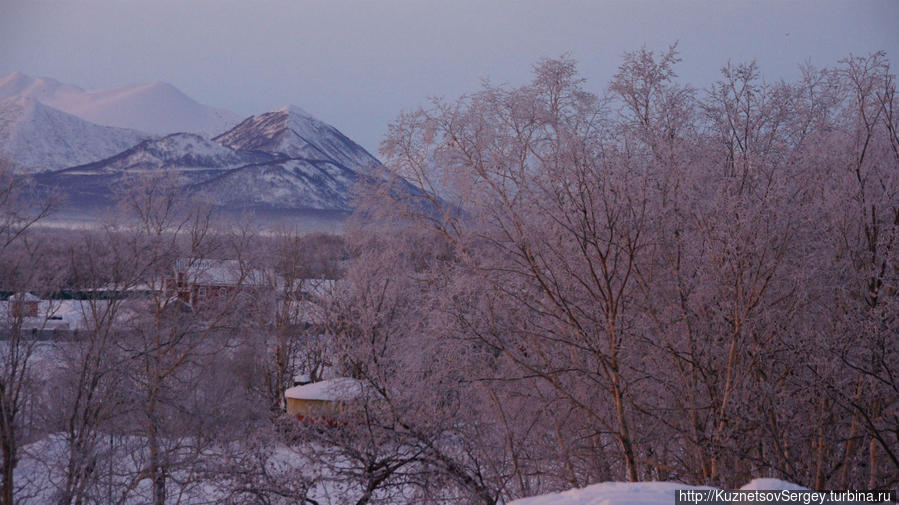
(159, 486)
(8, 466)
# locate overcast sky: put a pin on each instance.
(357, 64)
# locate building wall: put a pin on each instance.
(23, 309)
(312, 408)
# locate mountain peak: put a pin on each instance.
(37, 137)
(293, 133)
(293, 110)
(39, 88)
(25, 109)
(155, 87)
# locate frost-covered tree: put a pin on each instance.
(669, 283)
(26, 267)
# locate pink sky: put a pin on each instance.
(357, 64)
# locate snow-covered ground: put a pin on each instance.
(288, 471)
(653, 493)
(613, 493)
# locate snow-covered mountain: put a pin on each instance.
(286, 184)
(178, 152)
(45, 89)
(188, 158)
(281, 160)
(295, 133)
(157, 108)
(38, 138)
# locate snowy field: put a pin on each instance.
(281, 473)
(39, 476)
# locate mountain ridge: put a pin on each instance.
(157, 107)
(284, 160)
(37, 138)
(260, 163)
(295, 133)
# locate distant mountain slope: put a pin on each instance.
(188, 157)
(179, 152)
(45, 89)
(39, 138)
(282, 161)
(267, 165)
(157, 108)
(295, 133)
(287, 184)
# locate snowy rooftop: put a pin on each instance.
(219, 272)
(24, 297)
(332, 390)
